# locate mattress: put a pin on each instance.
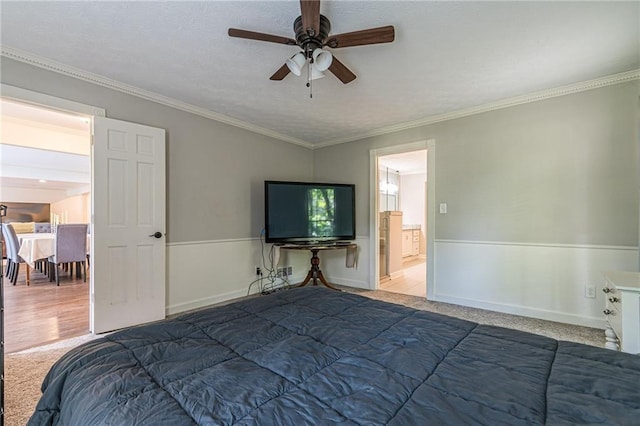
(318, 356)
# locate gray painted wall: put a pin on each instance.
(558, 171)
(215, 171)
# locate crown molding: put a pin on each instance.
(67, 70)
(505, 103)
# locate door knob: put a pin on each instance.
(158, 234)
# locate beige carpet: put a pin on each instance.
(555, 330)
(24, 371)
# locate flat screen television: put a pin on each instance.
(305, 212)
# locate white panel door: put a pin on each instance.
(128, 217)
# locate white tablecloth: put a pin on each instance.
(36, 246)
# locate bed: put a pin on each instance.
(318, 356)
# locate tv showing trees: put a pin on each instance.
(300, 212)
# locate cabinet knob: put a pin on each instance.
(606, 290)
(608, 312)
(614, 299)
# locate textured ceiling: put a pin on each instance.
(447, 56)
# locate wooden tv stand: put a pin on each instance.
(315, 274)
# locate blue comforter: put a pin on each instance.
(317, 356)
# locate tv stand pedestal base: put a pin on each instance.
(315, 274)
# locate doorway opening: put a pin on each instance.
(127, 282)
(45, 180)
(374, 210)
(401, 208)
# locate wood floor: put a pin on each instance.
(42, 312)
(413, 282)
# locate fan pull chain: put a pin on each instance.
(309, 84)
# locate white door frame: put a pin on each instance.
(47, 101)
(63, 105)
(374, 222)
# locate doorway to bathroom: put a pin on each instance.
(402, 206)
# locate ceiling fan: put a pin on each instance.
(312, 34)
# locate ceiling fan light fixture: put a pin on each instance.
(296, 63)
(322, 59)
(312, 32)
(315, 73)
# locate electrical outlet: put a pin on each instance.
(590, 291)
(289, 270)
(279, 272)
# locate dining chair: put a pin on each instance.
(7, 252)
(5, 249)
(13, 259)
(70, 247)
(44, 227)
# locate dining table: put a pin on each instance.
(36, 246)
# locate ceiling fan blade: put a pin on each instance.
(339, 70)
(310, 15)
(251, 35)
(281, 73)
(362, 37)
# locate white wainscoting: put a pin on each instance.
(534, 280)
(333, 266)
(202, 273)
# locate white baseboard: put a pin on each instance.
(524, 311)
(397, 274)
(352, 283)
(203, 302)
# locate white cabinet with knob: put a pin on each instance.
(406, 242)
(622, 310)
(410, 242)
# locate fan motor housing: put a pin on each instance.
(307, 42)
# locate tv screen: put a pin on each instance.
(27, 212)
(309, 212)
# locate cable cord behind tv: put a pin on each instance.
(271, 282)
